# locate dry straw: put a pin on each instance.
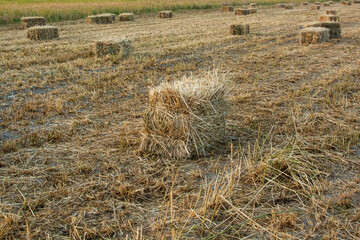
(288, 6)
(239, 29)
(334, 28)
(329, 18)
(27, 22)
(315, 7)
(185, 118)
(331, 12)
(240, 11)
(227, 8)
(111, 47)
(280, 5)
(42, 33)
(165, 14)
(126, 17)
(105, 18)
(314, 35)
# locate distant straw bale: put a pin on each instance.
(331, 12)
(111, 47)
(105, 18)
(326, 4)
(253, 5)
(331, 2)
(253, 10)
(305, 4)
(42, 33)
(280, 5)
(317, 3)
(185, 118)
(334, 28)
(347, 3)
(288, 6)
(329, 18)
(314, 35)
(227, 8)
(126, 17)
(315, 7)
(165, 14)
(239, 11)
(27, 22)
(239, 29)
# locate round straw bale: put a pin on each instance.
(315, 7)
(331, 12)
(314, 35)
(253, 10)
(288, 6)
(239, 11)
(239, 29)
(165, 14)
(329, 18)
(106, 47)
(227, 8)
(27, 22)
(126, 17)
(42, 33)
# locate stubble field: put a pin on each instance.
(71, 127)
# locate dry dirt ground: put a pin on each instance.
(71, 126)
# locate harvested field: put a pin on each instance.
(71, 128)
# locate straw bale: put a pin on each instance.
(253, 10)
(227, 8)
(111, 47)
(331, 12)
(343, 2)
(185, 118)
(240, 11)
(305, 4)
(347, 3)
(165, 14)
(328, 18)
(253, 5)
(314, 35)
(126, 17)
(315, 7)
(356, 1)
(317, 3)
(239, 29)
(42, 33)
(326, 4)
(105, 18)
(280, 5)
(331, 2)
(334, 28)
(27, 22)
(288, 6)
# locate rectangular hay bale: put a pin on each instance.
(112, 47)
(314, 35)
(227, 8)
(331, 2)
(280, 5)
(347, 4)
(240, 11)
(253, 10)
(305, 4)
(317, 3)
(331, 12)
(27, 22)
(105, 18)
(326, 4)
(329, 18)
(126, 17)
(239, 29)
(315, 7)
(165, 14)
(42, 33)
(334, 28)
(288, 6)
(253, 5)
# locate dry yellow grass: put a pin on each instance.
(71, 126)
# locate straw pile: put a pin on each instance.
(239, 29)
(253, 5)
(334, 28)
(314, 35)
(165, 14)
(126, 17)
(331, 12)
(305, 4)
(42, 33)
(110, 47)
(185, 118)
(280, 5)
(105, 18)
(329, 18)
(288, 6)
(253, 10)
(227, 8)
(315, 7)
(27, 22)
(240, 11)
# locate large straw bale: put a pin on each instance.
(227, 8)
(329, 18)
(253, 10)
(42, 33)
(305, 4)
(326, 4)
(314, 35)
(331, 12)
(27, 22)
(315, 7)
(239, 29)
(280, 5)
(288, 6)
(165, 14)
(112, 47)
(334, 28)
(185, 118)
(104, 18)
(126, 17)
(239, 11)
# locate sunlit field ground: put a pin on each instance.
(71, 127)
